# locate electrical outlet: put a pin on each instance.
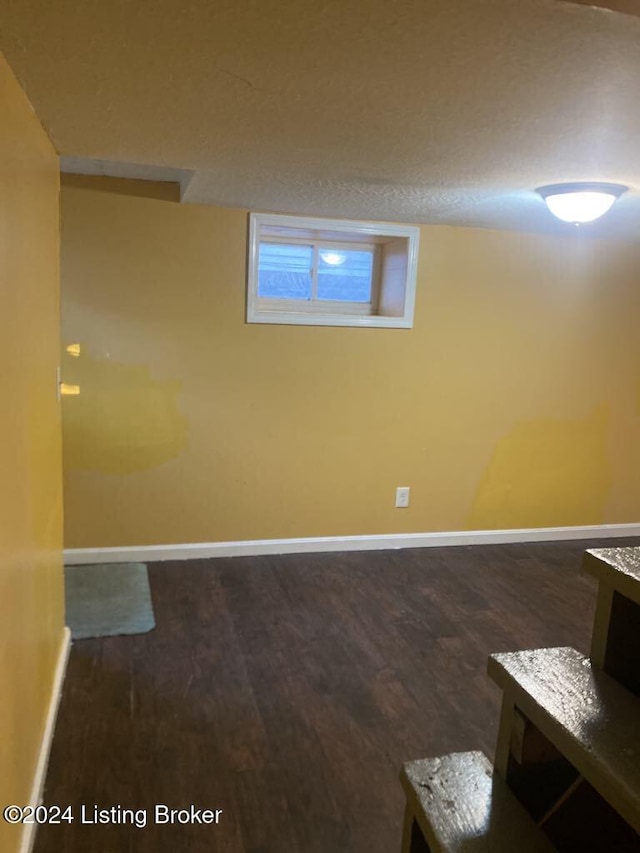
(402, 496)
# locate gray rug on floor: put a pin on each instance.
(108, 599)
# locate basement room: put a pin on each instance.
(320, 496)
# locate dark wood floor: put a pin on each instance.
(287, 691)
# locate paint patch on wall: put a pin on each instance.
(124, 420)
(546, 472)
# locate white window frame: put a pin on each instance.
(366, 235)
(324, 306)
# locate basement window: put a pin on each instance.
(331, 272)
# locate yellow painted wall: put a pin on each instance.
(513, 402)
(31, 591)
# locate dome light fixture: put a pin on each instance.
(580, 202)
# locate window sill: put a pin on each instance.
(290, 318)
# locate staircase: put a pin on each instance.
(566, 775)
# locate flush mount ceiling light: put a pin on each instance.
(580, 202)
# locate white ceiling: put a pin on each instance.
(440, 111)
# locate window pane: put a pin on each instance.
(345, 275)
(284, 272)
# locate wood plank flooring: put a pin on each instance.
(287, 691)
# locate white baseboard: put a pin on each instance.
(257, 547)
(29, 831)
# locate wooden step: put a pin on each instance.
(455, 803)
(586, 715)
(618, 568)
(615, 641)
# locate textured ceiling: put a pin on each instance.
(448, 111)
